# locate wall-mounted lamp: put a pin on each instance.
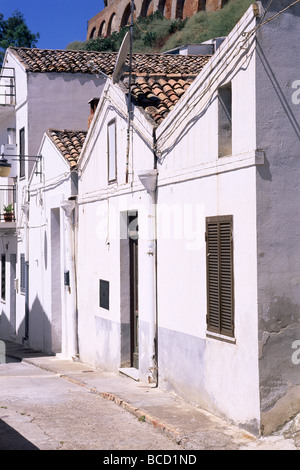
(6, 165)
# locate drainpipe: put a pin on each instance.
(25, 210)
(71, 348)
(149, 180)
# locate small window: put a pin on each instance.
(104, 294)
(219, 251)
(3, 277)
(225, 121)
(22, 153)
(22, 274)
(112, 151)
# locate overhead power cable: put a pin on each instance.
(238, 47)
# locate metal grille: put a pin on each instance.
(7, 86)
(3, 277)
(7, 203)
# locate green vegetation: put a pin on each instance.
(207, 25)
(15, 32)
(149, 34)
(157, 34)
(8, 208)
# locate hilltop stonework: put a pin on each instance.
(116, 13)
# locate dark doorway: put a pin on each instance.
(134, 291)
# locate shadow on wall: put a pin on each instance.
(284, 102)
(42, 336)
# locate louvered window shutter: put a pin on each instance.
(219, 250)
(3, 277)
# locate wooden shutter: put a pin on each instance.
(3, 277)
(22, 152)
(219, 250)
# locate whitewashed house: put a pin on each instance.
(40, 89)
(117, 273)
(174, 257)
(52, 190)
(188, 227)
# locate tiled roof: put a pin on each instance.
(69, 61)
(158, 80)
(69, 143)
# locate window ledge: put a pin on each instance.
(214, 167)
(218, 336)
(7, 226)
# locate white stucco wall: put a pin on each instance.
(99, 207)
(199, 373)
(278, 221)
(7, 120)
(48, 249)
(44, 101)
(64, 106)
(8, 319)
(194, 184)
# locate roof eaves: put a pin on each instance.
(69, 149)
(14, 53)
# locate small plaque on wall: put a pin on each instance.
(104, 294)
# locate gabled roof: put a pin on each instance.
(70, 61)
(69, 143)
(158, 95)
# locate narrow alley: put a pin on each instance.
(47, 403)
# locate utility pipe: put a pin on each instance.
(25, 210)
(149, 180)
(129, 93)
(68, 206)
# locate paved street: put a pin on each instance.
(47, 403)
(40, 410)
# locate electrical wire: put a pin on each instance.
(239, 47)
(278, 13)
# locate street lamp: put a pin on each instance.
(5, 167)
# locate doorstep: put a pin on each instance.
(131, 372)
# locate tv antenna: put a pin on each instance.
(122, 56)
(119, 68)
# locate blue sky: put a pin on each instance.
(59, 22)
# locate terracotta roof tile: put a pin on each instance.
(69, 143)
(70, 61)
(158, 80)
(158, 97)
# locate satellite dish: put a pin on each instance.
(122, 55)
